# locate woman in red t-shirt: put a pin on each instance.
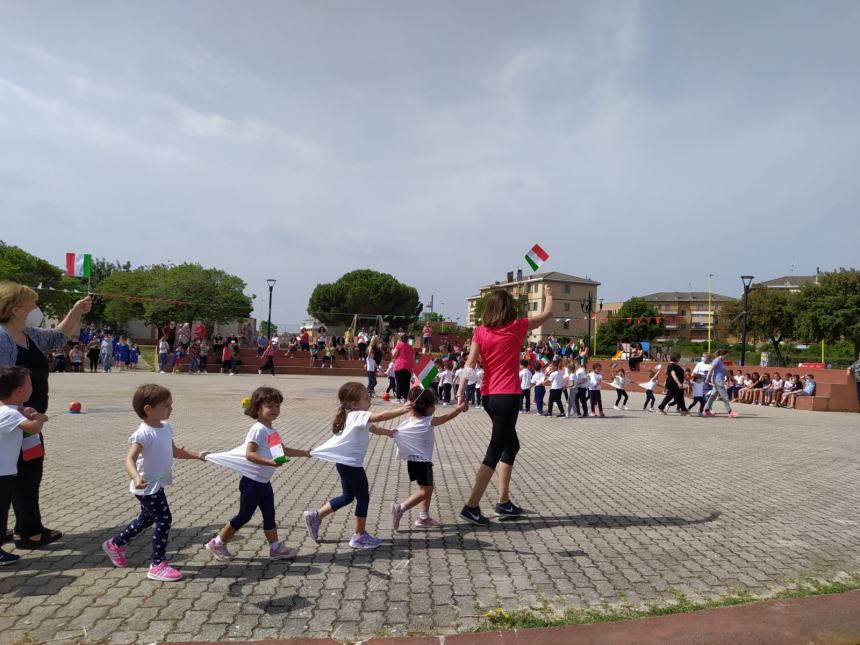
(404, 362)
(498, 342)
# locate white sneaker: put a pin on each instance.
(614, 407)
(626, 408)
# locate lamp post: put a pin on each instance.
(747, 280)
(588, 307)
(271, 283)
(710, 312)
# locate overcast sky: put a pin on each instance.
(644, 145)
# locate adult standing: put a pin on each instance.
(376, 349)
(404, 362)
(169, 333)
(674, 385)
(637, 355)
(427, 338)
(855, 370)
(200, 331)
(184, 335)
(716, 377)
(497, 342)
(23, 344)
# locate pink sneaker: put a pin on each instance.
(427, 523)
(396, 514)
(733, 414)
(220, 551)
(708, 413)
(282, 552)
(115, 553)
(163, 572)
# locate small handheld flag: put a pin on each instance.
(79, 265)
(277, 449)
(536, 256)
(32, 447)
(426, 371)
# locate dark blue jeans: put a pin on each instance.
(353, 480)
(540, 391)
(153, 510)
(254, 495)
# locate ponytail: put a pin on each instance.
(348, 393)
(339, 420)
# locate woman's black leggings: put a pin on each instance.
(675, 396)
(94, 364)
(269, 365)
(402, 378)
(504, 443)
(621, 393)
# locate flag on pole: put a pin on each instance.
(536, 256)
(277, 448)
(426, 371)
(79, 265)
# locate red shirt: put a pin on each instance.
(405, 357)
(500, 351)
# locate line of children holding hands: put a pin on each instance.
(566, 377)
(152, 450)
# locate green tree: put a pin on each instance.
(640, 327)
(364, 292)
(771, 317)
(16, 265)
(264, 329)
(186, 293)
(101, 269)
(830, 310)
(521, 303)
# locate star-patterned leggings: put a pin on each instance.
(153, 510)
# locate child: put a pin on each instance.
(124, 354)
(352, 428)
(315, 350)
(594, 380)
(149, 463)
(178, 353)
(479, 378)
(618, 383)
(790, 399)
(328, 356)
(446, 382)
(255, 488)
(392, 382)
(649, 386)
(697, 387)
(15, 388)
(134, 355)
(555, 380)
(538, 379)
(415, 439)
(371, 367)
(526, 387)
(580, 400)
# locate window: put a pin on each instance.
(682, 313)
(567, 306)
(534, 306)
(534, 287)
(566, 324)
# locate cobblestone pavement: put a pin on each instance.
(634, 504)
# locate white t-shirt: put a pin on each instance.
(415, 438)
(390, 371)
(594, 380)
(446, 376)
(348, 446)
(236, 460)
(580, 377)
(479, 377)
(776, 384)
(556, 380)
(11, 436)
(538, 378)
(371, 364)
(698, 388)
(163, 347)
(457, 375)
(525, 378)
(619, 382)
(702, 368)
(649, 385)
(155, 462)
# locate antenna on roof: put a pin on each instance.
(793, 267)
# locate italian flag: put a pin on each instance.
(536, 257)
(78, 265)
(32, 447)
(426, 371)
(277, 449)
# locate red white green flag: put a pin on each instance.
(536, 256)
(276, 447)
(32, 447)
(79, 265)
(426, 371)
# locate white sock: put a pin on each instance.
(424, 515)
(219, 541)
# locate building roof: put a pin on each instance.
(788, 282)
(686, 296)
(550, 275)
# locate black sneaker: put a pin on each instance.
(8, 558)
(474, 516)
(508, 509)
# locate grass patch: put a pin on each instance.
(542, 614)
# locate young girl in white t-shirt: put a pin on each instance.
(415, 439)
(446, 382)
(263, 452)
(595, 378)
(352, 428)
(149, 463)
(619, 382)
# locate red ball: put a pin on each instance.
(75, 407)
(386, 397)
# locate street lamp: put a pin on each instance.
(587, 306)
(271, 283)
(747, 280)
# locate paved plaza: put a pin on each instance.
(632, 505)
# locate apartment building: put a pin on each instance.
(689, 314)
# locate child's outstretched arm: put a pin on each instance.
(34, 424)
(295, 452)
(383, 432)
(376, 417)
(445, 418)
(182, 453)
(130, 465)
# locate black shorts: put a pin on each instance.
(420, 472)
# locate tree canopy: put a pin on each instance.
(521, 303)
(830, 309)
(364, 292)
(640, 327)
(771, 316)
(16, 265)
